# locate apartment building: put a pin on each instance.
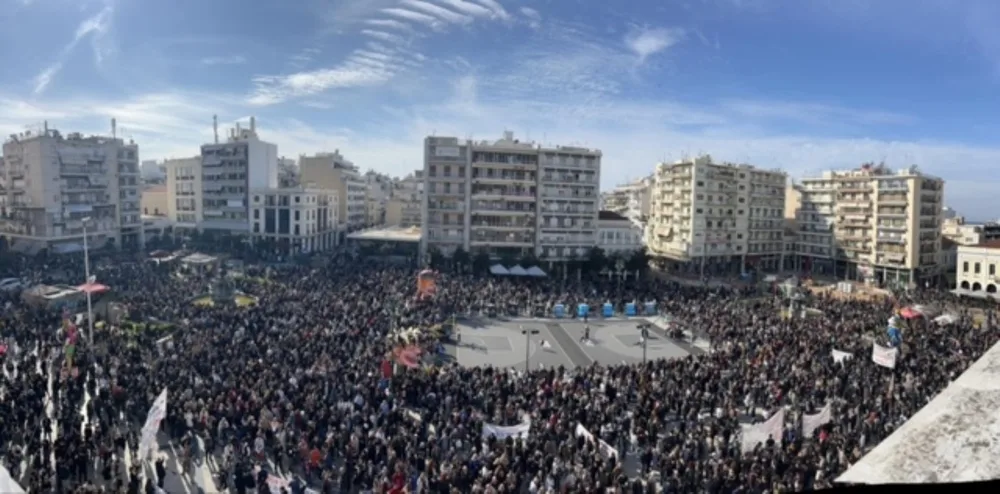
(294, 220)
(717, 218)
(617, 235)
(959, 231)
(871, 224)
(377, 196)
(228, 171)
(155, 201)
(631, 200)
(51, 183)
(330, 171)
(184, 191)
(406, 205)
(509, 198)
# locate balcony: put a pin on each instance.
(892, 213)
(893, 199)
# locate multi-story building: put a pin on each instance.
(717, 218)
(184, 192)
(631, 200)
(957, 230)
(872, 224)
(228, 171)
(617, 235)
(155, 201)
(294, 220)
(50, 184)
(509, 198)
(978, 268)
(330, 171)
(405, 207)
(377, 196)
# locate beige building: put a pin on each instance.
(979, 267)
(378, 193)
(871, 224)
(717, 218)
(957, 230)
(509, 198)
(294, 220)
(406, 205)
(184, 191)
(51, 183)
(330, 171)
(155, 201)
(631, 200)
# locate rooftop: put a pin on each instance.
(388, 234)
(610, 216)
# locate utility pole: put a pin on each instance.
(527, 347)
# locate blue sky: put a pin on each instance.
(803, 85)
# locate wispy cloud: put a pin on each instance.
(814, 113)
(645, 42)
(227, 60)
(468, 8)
(412, 16)
(388, 23)
(441, 13)
(496, 9)
(95, 27)
(533, 17)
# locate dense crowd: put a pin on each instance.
(294, 385)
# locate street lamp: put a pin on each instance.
(620, 268)
(527, 346)
(86, 270)
(643, 338)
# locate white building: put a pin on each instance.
(151, 170)
(509, 198)
(617, 235)
(294, 220)
(717, 218)
(184, 191)
(377, 196)
(50, 183)
(979, 267)
(228, 171)
(631, 200)
(872, 224)
(331, 171)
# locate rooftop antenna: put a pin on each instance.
(45, 127)
(215, 127)
(114, 128)
(253, 125)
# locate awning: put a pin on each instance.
(499, 270)
(518, 271)
(536, 271)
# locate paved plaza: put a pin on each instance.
(559, 342)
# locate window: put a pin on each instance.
(993, 269)
(256, 214)
(976, 268)
(296, 216)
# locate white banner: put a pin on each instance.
(503, 432)
(606, 450)
(156, 414)
(886, 357)
(840, 356)
(812, 422)
(759, 433)
(8, 484)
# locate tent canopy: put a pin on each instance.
(536, 271)
(518, 271)
(499, 270)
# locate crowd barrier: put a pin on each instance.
(607, 310)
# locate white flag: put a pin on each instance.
(812, 422)
(759, 433)
(886, 357)
(156, 414)
(840, 356)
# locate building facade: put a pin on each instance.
(294, 220)
(871, 224)
(631, 200)
(184, 191)
(229, 170)
(978, 267)
(509, 198)
(378, 192)
(957, 230)
(406, 205)
(155, 201)
(330, 171)
(717, 218)
(617, 235)
(50, 184)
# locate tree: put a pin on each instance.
(638, 261)
(481, 263)
(434, 257)
(460, 259)
(508, 261)
(597, 260)
(528, 260)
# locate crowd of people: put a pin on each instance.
(293, 387)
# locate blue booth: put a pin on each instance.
(608, 310)
(650, 308)
(559, 310)
(583, 310)
(630, 309)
